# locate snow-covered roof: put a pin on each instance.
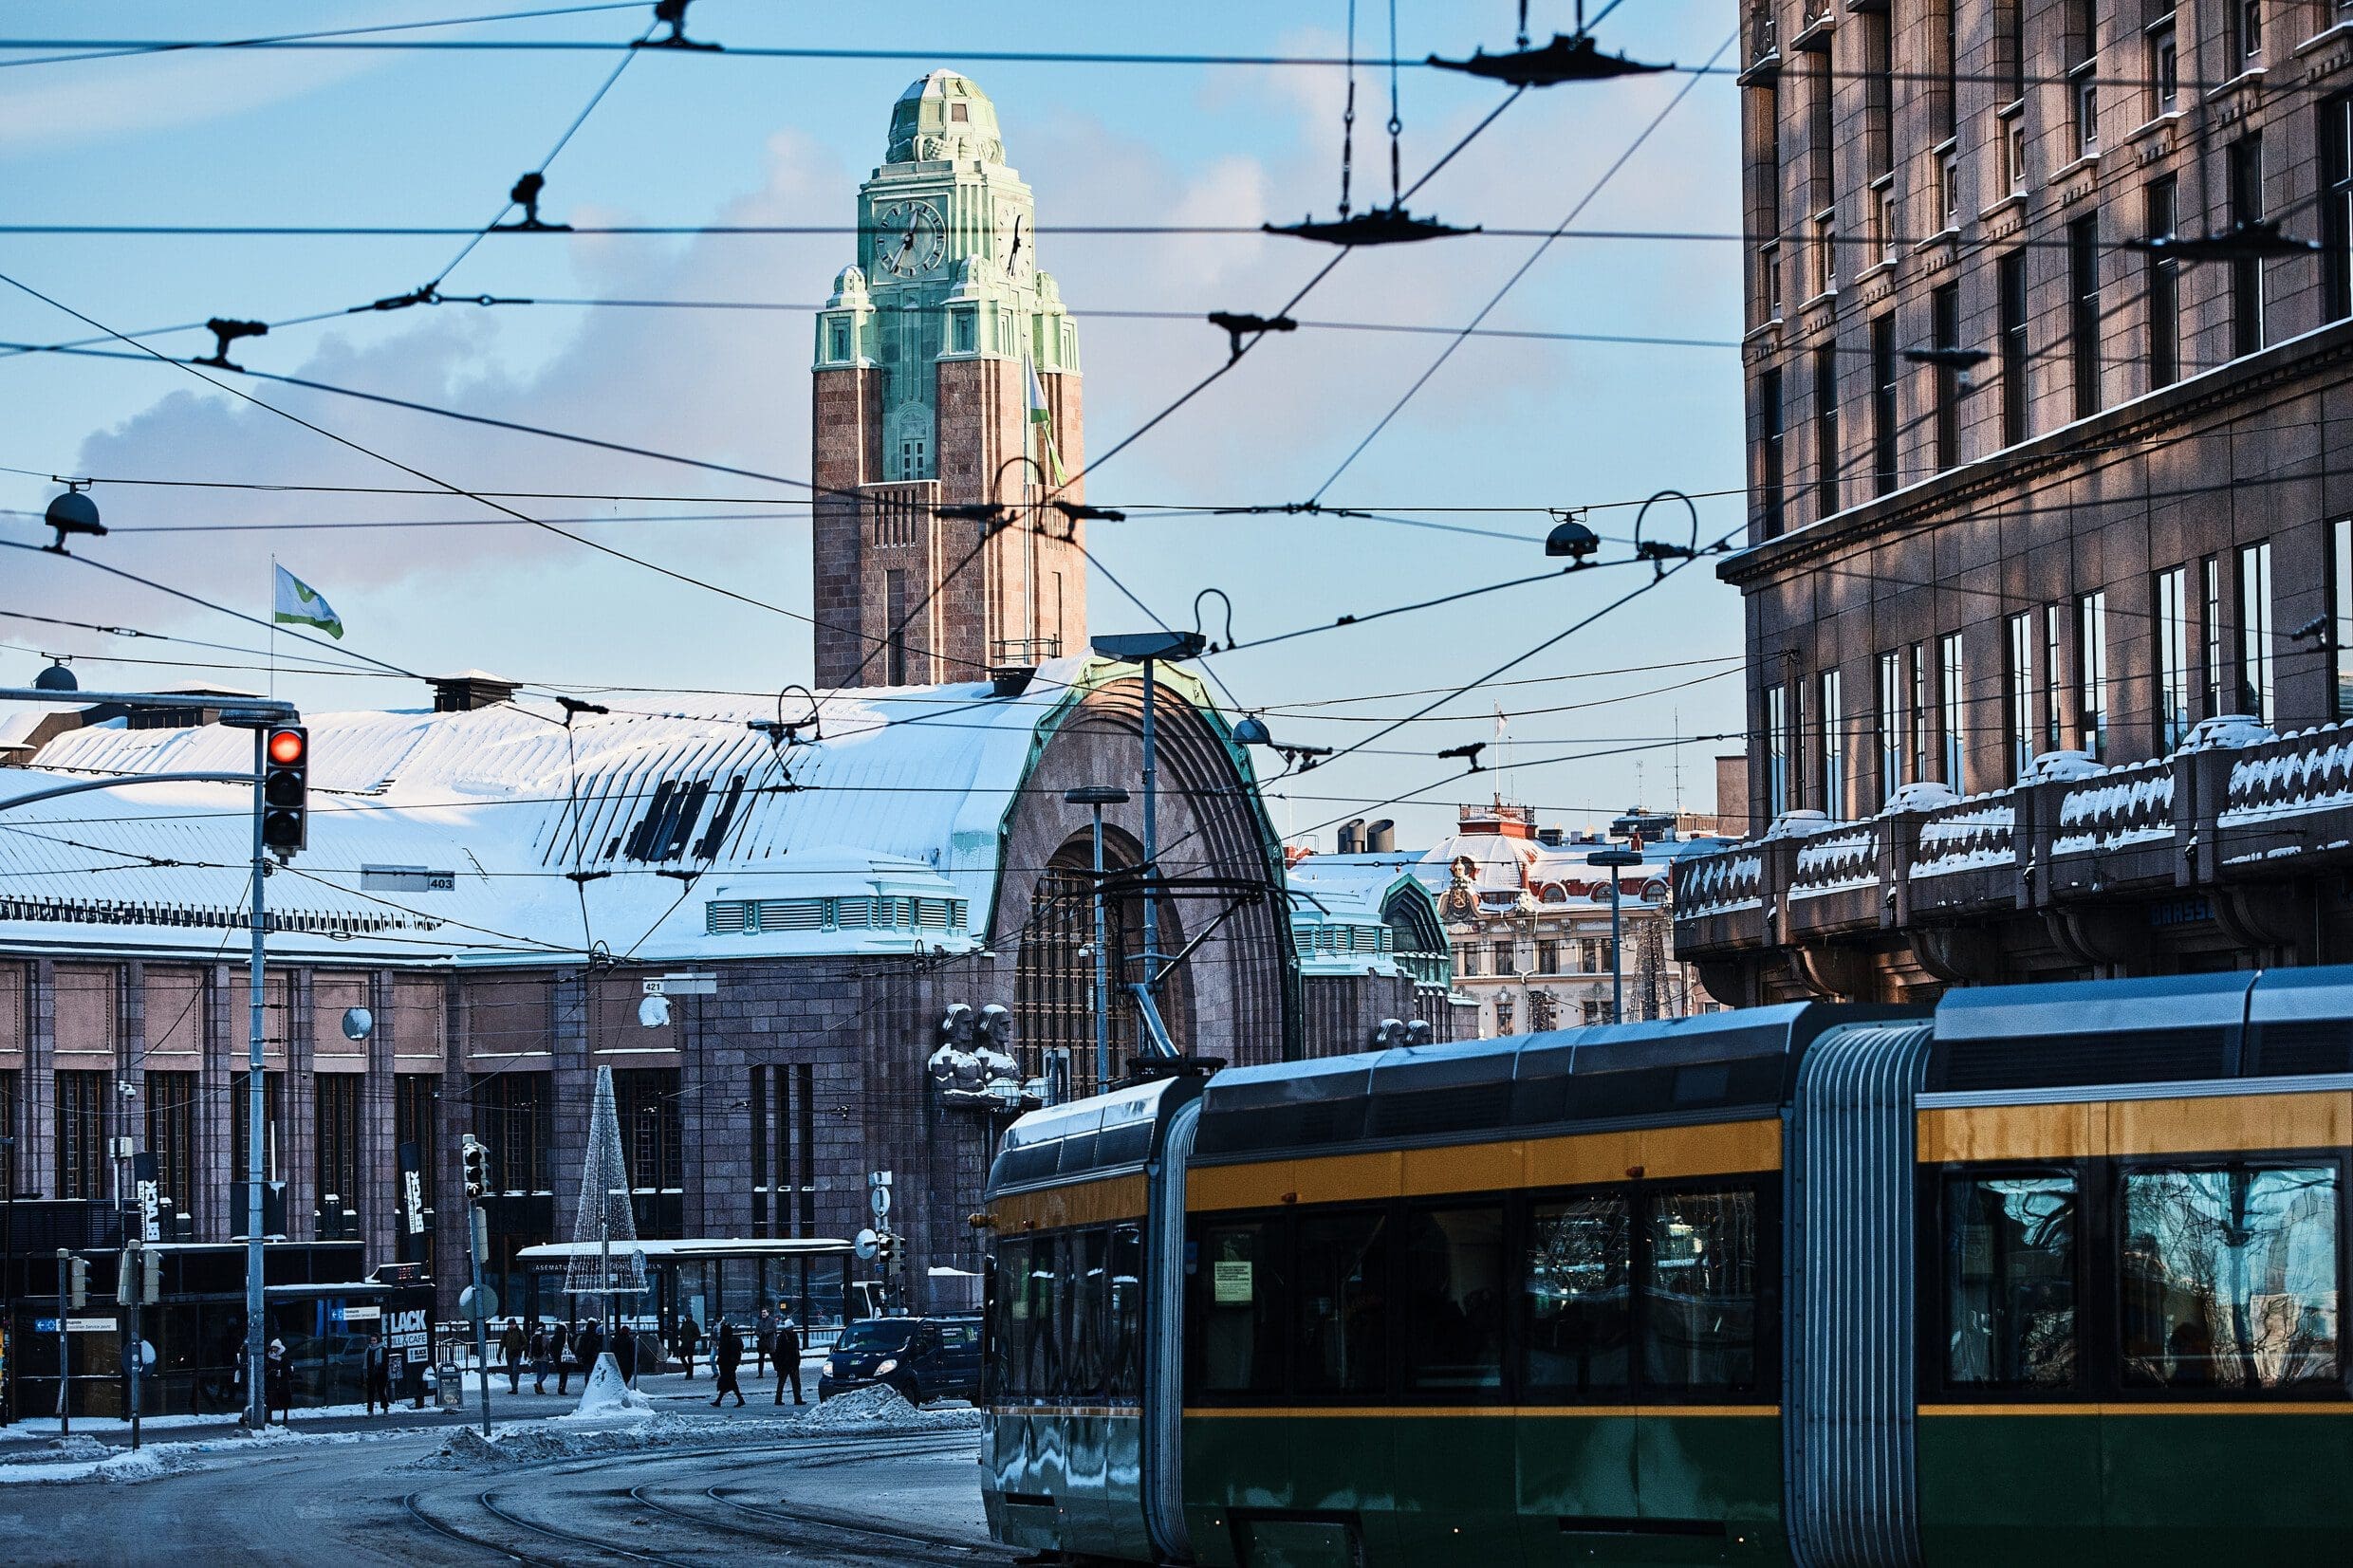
(657, 831)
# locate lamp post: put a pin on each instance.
(1148, 649)
(1617, 858)
(1100, 796)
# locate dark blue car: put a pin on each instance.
(922, 1358)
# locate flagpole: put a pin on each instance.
(273, 602)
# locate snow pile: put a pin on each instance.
(79, 1458)
(606, 1396)
(878, 1413)
(883, 1407)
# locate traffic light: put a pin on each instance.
(77, 1289)
(477, 1159)
(286, 788)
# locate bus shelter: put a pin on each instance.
(714, 1276)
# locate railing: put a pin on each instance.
(2304, 771)
(1972, 835)
(2119, 808)
(1836, 861)
(1723, 883)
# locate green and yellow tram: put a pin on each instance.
(2053, 1276)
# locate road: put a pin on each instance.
(860, 1499)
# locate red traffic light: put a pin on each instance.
(286, 747)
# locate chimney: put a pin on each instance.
(1551, 838)
(1351, 838)
(1382, 836)
(468, 690)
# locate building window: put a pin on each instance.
(1891, 725)
(2246, 189)
(2013, 23)
(2341, 611)
(2246, 35)
(1829, 716)
(1883, 232)
(1883, 401)
(1953, 695)
(1502, 1016)
(2164, 288)
(171, 1139)
(1770, 459)
(1467, 961)
(653, 1141)
(2012, 287)
(513, 1116)
(1776, 749)
(967, 331)
(2015, 154)
(894, 634)
(1917, 725)
(840, 331)
(2209, 631)
(2164, 67)
(415, 1123)
(2336, 137)
(2254, 631)
(240, 1134)
(2091, 686)
(2171, 597)
(2086, 98)
(1827, 429)
(11, 1127)
(1825, 252)
(81, 1134)
(335, 1142)
(1945, 319)
(1548, 957)
(1878, 94)
(2019, 684)
(2053, 643)
(2084, 329)
(1507, 962)
(1769, 280)
(1943, 32)
(1948, 186)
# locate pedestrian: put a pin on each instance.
(727, 1358)
(591, 1344)
(539, 1356)
(764, 1335)
(511, 1345)
(625, 1354)
(787, 1358)
(690, 1338)
(377, 1362)
(560, 1352)
(279, 1374)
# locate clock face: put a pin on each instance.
(910, 239)
(1014, 243)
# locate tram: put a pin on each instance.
(2054, 1275)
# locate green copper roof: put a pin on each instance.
(944, 114)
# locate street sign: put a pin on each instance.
(146, 1354)
(879, 1193)
(75, 1325)
(865, 1243)
(477, 1302)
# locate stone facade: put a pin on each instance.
(1985, 602)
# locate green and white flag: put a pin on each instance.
(300, 604)
(1039, 415)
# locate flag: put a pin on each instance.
(300, 604)
(1035, 393)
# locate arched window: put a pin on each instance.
(1054, 977)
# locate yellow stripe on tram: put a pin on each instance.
(2203, 1406)
(2181, 1125)
(1352, 1412)
(1081, 1203)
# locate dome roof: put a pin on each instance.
(944, 114)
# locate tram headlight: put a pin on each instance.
(886, 1368)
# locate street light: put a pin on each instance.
(1617, 858)
(1147, 649)
(1100, 796)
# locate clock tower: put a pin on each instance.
(946, 373)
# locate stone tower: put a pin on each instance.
(924, 398)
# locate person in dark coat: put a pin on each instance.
(689, 1339)
(625, 1354)
(377, 1361)
(512, 1346)
(539, 1356)
(727, 1358)
(279, 1384)
(764, 1337)
(787, 1358)
(560, 1352)
(587, 1348)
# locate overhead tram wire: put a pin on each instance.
(1508, 283)
(122, 49)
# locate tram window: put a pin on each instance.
(1008, 1320)
(1343, 1304)
(1699, 1298)
(1082, 1363)
(1452, 1291)
(2229, 1276)
(2010, 1281)
(1576, 1304)
(1240, 1290)
(1123, 1353)
(1041, 1360)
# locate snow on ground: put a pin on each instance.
(876, 1411)
(80, 1457)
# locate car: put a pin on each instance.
(922, 1358)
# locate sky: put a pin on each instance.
(1632, 707)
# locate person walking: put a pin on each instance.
(625, 1354)
(377, 1361)
(591, 1344)
(539, 1356)
(764, 1335)
(689, 1340)
(727, 1358)
(511, 1345)
(787, 1358)
(560, 1352)
(279, 1372)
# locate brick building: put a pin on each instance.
(2047, 575)
(496, 879)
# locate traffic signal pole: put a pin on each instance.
(256, 1331)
